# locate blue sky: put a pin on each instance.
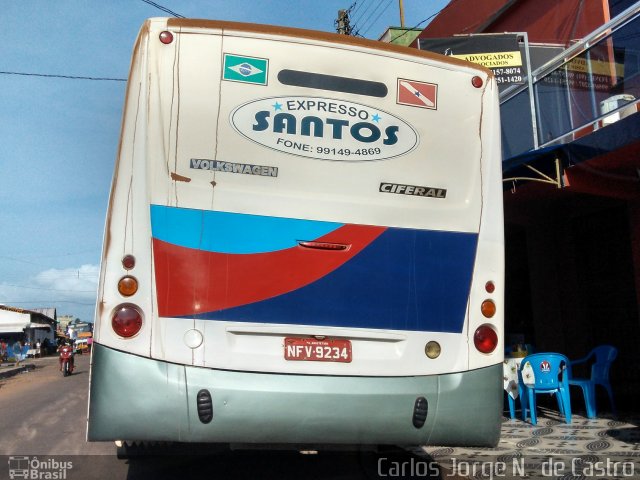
(58, 136)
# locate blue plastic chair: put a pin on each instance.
(550, 377)
(602, 357)
(512, 406)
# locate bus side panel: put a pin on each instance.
(133, 398)
(470, 408)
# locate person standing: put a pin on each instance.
(17, 352)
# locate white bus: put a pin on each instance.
(304, 244)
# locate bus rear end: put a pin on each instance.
(304, 244)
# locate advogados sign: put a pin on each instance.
(324, 128)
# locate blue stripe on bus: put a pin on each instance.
(405, 280)
(232, 233)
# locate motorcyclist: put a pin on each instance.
(66, 347)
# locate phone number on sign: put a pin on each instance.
(347, 152)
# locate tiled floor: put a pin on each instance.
(604, 448)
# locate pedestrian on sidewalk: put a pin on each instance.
(17, 352)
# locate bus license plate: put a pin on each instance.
(314, 350)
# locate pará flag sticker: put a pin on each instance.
(417, 94)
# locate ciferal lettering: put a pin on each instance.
(414, 190)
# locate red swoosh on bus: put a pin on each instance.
(191, 281)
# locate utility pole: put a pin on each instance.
(401, 13)
(343, 26)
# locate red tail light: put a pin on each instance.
(128, 262)
(166, 37)
(485, 339)
(126, 321)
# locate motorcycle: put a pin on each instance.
(66, 360)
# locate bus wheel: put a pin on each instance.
(125, 450)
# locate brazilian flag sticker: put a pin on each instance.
(245, 69)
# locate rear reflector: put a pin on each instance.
(432, 349)
(490, 287)
(126, 321)
(128, 262)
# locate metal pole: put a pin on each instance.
(342, 24)
(533, 96)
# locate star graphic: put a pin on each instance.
(417, 93)
(376, 118)
(277, 106)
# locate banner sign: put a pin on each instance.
(500, 53)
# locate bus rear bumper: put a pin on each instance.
(134, 398)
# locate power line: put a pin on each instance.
(164, 9)
(415, 26)
(47, 302)
(354, 7)
(72, 77)
(366, 20)
(20, 260)
(376, 19)
(357, 18)
(77, 77)
(48, 289)
(57, 255)
(367, 23)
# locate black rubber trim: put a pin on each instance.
(420, 411)
(332, 83)
(205, 406)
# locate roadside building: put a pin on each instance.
(64, 321)
(571, 145)
(27, 326)
(400, 35)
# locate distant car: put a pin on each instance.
(82, 345)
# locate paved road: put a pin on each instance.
(43, 417)
(43, 422)
(41, 407)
